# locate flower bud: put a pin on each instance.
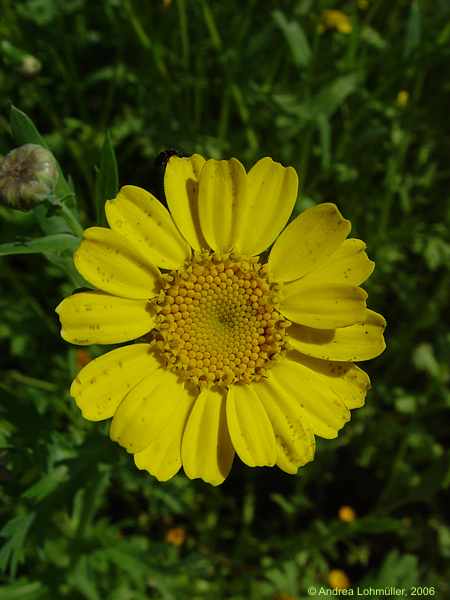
(337, 579)
(30, 66)
(347, 514)
(402, 98)
(27, 64)
(336, 19)
(176, 536)
(28, 174)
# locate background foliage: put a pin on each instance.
(244, 79)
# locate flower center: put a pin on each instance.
(217, 323)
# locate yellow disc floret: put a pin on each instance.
(217, 321)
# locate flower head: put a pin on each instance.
(27, 176)
(176, 536)
(336, 19)
(234, 353)
(338, 579)
(346, 514)
(402, 98)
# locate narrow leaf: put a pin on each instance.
(24, 130)
(32, 590)
(325, 141)
(107, 182)
(413, 29)
(56, 243)
(295, 37)
(15, 531)
(332, 96)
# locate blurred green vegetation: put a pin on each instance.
(245, 79)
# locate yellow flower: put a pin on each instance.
(347, 514)
(338, 579)
(336, 19)
(176, 536)
(235, 353)
(402, 98)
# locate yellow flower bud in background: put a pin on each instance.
(338, 579)
(336, 19)
(176, 536)
(347, 514)
(28, 174)
(363, 4)
(402, 98)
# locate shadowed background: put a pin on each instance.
(357, 103)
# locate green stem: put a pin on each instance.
(68, 215)
(31, 381)
(182, 19)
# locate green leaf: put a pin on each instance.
(15, 531)
(376, 524)
(295, 37)
(414, 29)
(332, 96)
(398, 570)
(56, 243)
(123, 557)
(373, 38)
(26, 590)
(82, 578)
(24, 130)
(325, 141)
(107, 182)
(425, 360)
(45, 486)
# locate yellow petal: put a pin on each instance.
(102, 384)
(307, 242)
(311, 384)
(351, 385)
(181, 189)
(162, 457)
(250, 429)
(356, 342)
(293, 437)
(147, 225)
(107, 261)
(346, 380)
(222, 190)
(97, 318)
(349, 265)
(149, 408)
(271, 195)
(207, 451)
(323, 306)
